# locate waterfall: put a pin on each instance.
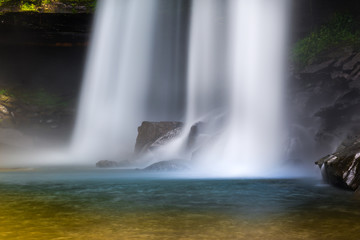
(236, 63)
(116, 79)
(133, 73)
(235, 72)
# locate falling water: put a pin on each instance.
(134, 73)
(252, 80)
(235, 72)
(116, 78)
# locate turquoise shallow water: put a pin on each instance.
(117, 204)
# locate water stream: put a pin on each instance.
(237, 65)
(234, 55)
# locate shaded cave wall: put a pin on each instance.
(43, 50)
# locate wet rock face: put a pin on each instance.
(325, 99)
(341, 168)
(41, 115)
(166, 138)
(155, 132)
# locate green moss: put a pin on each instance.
(341, 30)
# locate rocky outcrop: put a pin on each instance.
(325, 98)
(157, 133)
(30, 117)
(341, 168)
(33, 107)
(171, 165)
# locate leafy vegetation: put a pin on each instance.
(39, 97)
(4, 91)
(341, 30)
(45, 5)
(28, 7)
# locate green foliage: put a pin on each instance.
(4, 92)
(38, 5)
(28, 7)
(339, 31)
(41, 97)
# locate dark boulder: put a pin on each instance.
(150, 132)
(341, 168)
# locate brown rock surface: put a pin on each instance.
(149, 132)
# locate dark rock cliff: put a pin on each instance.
(324, 102)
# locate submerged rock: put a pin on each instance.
(341, 168)
(107, 164)
(171, 165)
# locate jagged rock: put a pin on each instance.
(355, 74)
(350, 64)
(327, 102)
(150, 132)
(346, 55)
(171, 165)
(341, 168)
(318, 67)
(339, 74)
